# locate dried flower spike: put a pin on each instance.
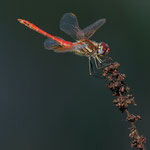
(123, 100)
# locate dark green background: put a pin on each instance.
(48, 101)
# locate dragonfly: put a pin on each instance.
(82, 46)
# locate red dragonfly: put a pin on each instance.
(83, 46)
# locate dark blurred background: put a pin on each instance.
(48, 101)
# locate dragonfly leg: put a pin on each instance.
(107, 60)
(91, 69)
(102, 63)
(96, 63)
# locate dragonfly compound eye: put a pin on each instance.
(104, 49)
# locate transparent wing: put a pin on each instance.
(69, 25)
(91, 29)
(75, 47)
(51, 44)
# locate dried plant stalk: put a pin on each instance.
(123, 99)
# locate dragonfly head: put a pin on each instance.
(102, 49)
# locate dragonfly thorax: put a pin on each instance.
(85, 47)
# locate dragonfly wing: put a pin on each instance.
(74, 47)
(51, 44)
(91, 29)
(69, 25)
